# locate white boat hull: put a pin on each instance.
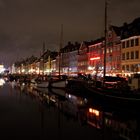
(42, 84)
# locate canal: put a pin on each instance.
(27, 113)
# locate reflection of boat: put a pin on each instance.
(109, 97)
(57, 91)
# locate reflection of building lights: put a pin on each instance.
(69, 96)
(94, 111)
(23, 70)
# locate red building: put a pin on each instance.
(113, 51)
(83, 57)
(95, 60)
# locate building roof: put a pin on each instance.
(131, 29)
(117, 30)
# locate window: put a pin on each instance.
(136, 67)
(136, 54)
(107, 50)
(127, 55)
(132, 68)
(114, 48)
(127, 67)
(118, 58)
(136, 42)
(127, 44)
(118, 48)
(132, 42)
(123, 56)
(123, 44)
(132, 55)
(123, 67)
(111, 50)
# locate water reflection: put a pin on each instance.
(111, 123)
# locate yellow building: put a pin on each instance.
(130, 55)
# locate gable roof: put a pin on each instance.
(117, 30)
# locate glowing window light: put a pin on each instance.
(23, 70)
(90, 110)
(95, 58)
(1, 66)
(96, 112)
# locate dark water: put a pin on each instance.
(26, 113)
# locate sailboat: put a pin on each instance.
(61, 83)
(41, 81)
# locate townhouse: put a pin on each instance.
(130, 48)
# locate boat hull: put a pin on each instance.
(58, 84)
(108, 98)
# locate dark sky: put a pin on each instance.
(25, 24)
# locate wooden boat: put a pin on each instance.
(119, 98)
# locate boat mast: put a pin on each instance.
(105, 33)
(60, 47)
(43, 52)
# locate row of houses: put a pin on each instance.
(87, 57)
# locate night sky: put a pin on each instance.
(25, 24)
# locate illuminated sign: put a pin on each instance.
(95, 58)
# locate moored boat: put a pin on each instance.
(115, 97)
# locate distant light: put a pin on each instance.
(1, 66)
(90, 68)
(2, 82)
(69, 96)
(2, 69)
